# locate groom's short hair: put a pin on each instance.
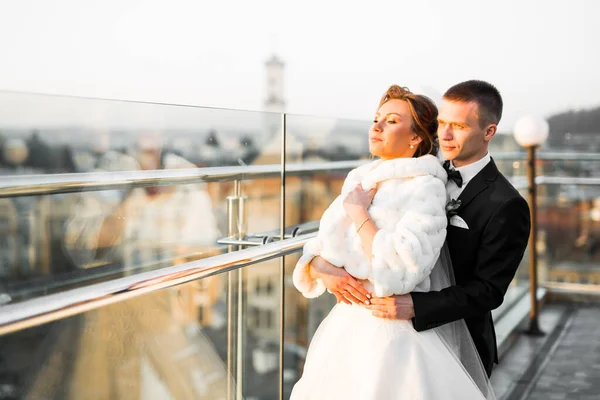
(486, 96)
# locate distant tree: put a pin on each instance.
(250, 152)
(40, 156)
(66, 160)
(579, 122)
(212, 140)
(246, 141)
(339, 153)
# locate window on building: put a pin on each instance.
(254, 317)
(257, 287)
(268, 319)
(201, 314)
(269, 287)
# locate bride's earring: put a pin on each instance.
(412, 146)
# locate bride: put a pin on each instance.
(387, 230)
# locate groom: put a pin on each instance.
(487, 234)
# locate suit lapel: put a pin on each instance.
(478, 184)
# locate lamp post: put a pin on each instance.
(530, 132)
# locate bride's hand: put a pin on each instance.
(339, 282)
(357, 202)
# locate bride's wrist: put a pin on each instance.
(361, 218)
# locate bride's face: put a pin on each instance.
(391, 134)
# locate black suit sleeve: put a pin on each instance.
(503, 243)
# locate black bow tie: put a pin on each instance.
(453, 174)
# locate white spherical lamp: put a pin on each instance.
(531, 130)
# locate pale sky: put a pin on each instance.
(340, 56)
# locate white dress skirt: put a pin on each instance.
(355, 355)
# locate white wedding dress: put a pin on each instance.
(355, 355)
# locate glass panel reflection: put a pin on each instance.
(55, 242)
(163, 345)
(569, 224)
(171, 344)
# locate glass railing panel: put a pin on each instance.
(184, 342)
(566, 211)
(59, 241)
(170, 344)
(569, 220)
(261, 331)
(569, 235)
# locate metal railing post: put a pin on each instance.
(237, 226)
(242, 227)
(232, 213)
(282, 259)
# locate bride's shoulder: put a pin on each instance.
(365, 168)
(433, 166)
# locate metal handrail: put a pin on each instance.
(548, 156)
(556, 180)
(28, 313)
(566, 180)
(568, 287)
(33, 185)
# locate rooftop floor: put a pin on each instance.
(564, 364)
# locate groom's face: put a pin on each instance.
(462, 140)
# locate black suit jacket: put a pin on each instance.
(485, 258)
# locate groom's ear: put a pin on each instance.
(490, 131)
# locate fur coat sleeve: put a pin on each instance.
(302, 280)
(330, 227)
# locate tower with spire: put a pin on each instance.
(274, 101)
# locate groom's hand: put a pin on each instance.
(339, 282)
(393, 307)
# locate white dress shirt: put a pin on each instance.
(467, 172)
